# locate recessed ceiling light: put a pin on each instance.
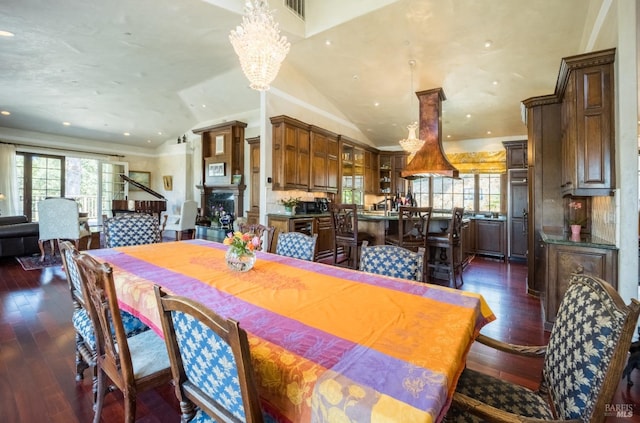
(495, 82)
(148, 141)
(376, 104)
(488, 132)
(5, 112)
(6, 34)
(327, 42)
(448, 136)
(488, 43)
(159, 132)
(468, 115)
(356, 77)
(66, 123)
(204, 106)
(126, 134)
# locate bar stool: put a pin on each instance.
(346, 234)
(413, 228)
(449, 244)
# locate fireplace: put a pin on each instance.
(222, 200)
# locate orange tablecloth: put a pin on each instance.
(327, 344)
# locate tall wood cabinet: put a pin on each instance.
(517, 199)
(325, 152)
(570, 148)
(253, 213)
(291, 153)
(588, 124)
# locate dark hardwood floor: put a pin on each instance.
(37, 366)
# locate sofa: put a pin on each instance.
(18, 236)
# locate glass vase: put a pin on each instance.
(240, 261)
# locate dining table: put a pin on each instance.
(327, 344)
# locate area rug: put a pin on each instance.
(33, 262)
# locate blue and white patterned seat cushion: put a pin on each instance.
(131, 229)
(390, 260)
(209, 362)
(82, 324)
(296, 245)
(499, 394)
(582, 343)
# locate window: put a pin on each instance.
(475, 192)
(489, 192)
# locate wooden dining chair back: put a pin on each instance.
(265, 233)
(413, 228)
(132, 364)
(583, 363)
(445, 250)
(59, 219)
(391, 260)
(346, 235)
(131, 229)
(210, 362)
(85, 335)
(297, 245)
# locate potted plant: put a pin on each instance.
(290, 204)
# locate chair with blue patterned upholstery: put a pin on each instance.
(131, 229)
(583, 363)
(297, 245)
(210, 363)
(391, 260)
(85, 336)
(133, 364)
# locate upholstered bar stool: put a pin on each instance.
(346, 235)
(445, 250)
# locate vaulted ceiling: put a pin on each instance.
(157, 68)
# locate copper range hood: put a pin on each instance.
(430, 160)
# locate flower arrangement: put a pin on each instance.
(241, 243)
(290, 202)
(574, 216)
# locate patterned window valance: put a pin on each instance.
(480, 161)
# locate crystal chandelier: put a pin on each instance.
(411, 144)
(258, 44)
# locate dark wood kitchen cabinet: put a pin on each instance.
(588, 124)
(490, 237)
(516, 154)
(564, 259)
(291, 154)
(518, 202)
(325, 167)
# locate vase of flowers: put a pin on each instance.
(241, 255)
(576, 218)
(290, 204)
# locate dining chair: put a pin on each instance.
(265, 233)
(445, 250)
(210, 362)
(413, 228)
(391, 260)
(133, 364)
(131, 229)
(583, 363)
(185, 221)
(85, 335)
(297, 245)
(59, 219)
(346, 234)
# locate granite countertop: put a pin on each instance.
(586, 240)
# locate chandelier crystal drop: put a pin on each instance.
(258, 44)
(411, 144)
